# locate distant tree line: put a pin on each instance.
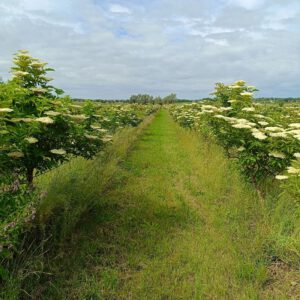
(288, 99)
(172, 98)
(100, 100)
(145, 98)
(140, 99)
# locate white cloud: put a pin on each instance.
(104, 50)
(119, 9)
(210, 30)
(36, 5)
(219, 42)
(248, 4)
(278, 16)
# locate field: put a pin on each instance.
(147, 200)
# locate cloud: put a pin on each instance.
(248, 4)
(119, 9)
(279, 16)
(111, 50)
(220, 42)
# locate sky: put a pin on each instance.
(113, 49)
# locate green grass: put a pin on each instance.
(161, 214)
(75, 187)
(68, 192)
(177, 222)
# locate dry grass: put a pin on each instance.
(283, 283)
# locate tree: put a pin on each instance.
(170, 98)
(40, 129)
(158, 100)
(238, 94)
(141, 98)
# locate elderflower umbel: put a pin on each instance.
(281, 177)
(274, 129)
(45, 120)
(31, 140)
(5, 109)
(278, 134)
(52, 113)
(248, 94)
(297, 154)
(295, 125)
(241, 125)
(16, 154)
(277, 154)
(259, 135)
(292, 170)
(240, 82)
(20, 73)
(248, 109)
(58, 151)
(263, 123)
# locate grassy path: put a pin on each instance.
(177, 223)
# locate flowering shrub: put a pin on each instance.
(264, 138)
(39, 130)
(237, 95)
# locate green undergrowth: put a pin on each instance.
(162, 214)
(76, 187)
(177, 222)
(66, 193)
(285, 235)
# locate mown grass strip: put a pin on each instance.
(178, 222)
